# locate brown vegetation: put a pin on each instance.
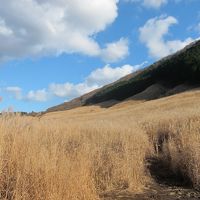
(52, 160)
(84, 153)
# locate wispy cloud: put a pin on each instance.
(156, 4)
(15, 91)
(197, 27)
(150, 3)
(38, 95)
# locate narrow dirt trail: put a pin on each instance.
(165, 186)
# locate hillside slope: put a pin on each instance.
(160, 116)
(180, 68)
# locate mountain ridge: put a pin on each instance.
(182, 67)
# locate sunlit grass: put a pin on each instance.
(85, 152)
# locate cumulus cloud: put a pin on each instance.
(108, 74)
(46, 27)
(115, 51)
(94, 80)
(152, 35)
(70, 90)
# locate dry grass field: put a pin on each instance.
(84, 153)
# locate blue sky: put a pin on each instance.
(53, 51)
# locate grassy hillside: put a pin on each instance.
(179, 68)
(91, 153)
(184, 66)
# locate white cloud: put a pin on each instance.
(46, 27)
(94, 80)
(70, 90)
(16, 92)
(152, 35)
(38, 95)
(3, 29)
(108, 74)
(154, 3)
(150, 3)
(115, 51)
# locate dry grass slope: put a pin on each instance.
(83, 153)
(51, 160)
